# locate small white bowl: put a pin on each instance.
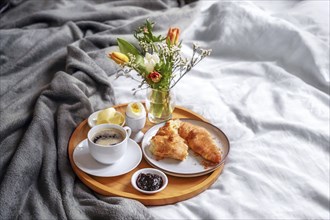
(93, 118)
(152, 171)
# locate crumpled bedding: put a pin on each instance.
(266, 85)
(54, 74)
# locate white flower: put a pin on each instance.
(150, 61)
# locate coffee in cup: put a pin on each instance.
(107, 143)
(108, 137)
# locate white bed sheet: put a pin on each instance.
(266, 86)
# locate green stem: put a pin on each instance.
(160, 105)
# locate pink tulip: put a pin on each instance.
(155, 76)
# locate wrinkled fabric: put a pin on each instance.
(266, 85)
(54, 74)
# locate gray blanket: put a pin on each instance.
(54, 73)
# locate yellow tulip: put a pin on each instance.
(118, 57)
(173, 35)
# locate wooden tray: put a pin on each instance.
(178, 188)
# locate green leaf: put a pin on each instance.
(126, 47)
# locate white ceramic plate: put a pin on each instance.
(84, 160)
(192, 165)
(93, 118)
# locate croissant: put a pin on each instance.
(172, 146)
(168, 143)
(171, 141)
(170, 128)
(200, 141)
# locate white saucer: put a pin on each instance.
(84, 160)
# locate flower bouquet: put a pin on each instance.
(159, 64)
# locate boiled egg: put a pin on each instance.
(135, 110)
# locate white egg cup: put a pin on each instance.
(136, 125)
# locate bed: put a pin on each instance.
(265, 85)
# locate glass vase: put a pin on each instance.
(160, 104)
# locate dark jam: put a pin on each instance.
(149, 182)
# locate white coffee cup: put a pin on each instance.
(108, 154)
